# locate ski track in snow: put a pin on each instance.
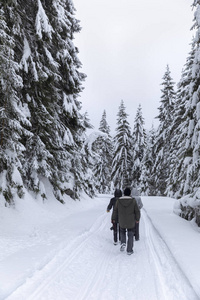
(90, 267)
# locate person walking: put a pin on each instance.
(115, 227)
(127, 212)
(135, 195)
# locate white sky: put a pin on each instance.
(124, 47)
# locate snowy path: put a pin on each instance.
(89, 267)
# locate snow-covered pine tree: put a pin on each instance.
(104, 149)
(104, 127)
(163, 137)
(82, 164)
(192, 158)
(121, 166)
(13, 112)
(51, 65)
(185, 182)
(182, 129)
(147, 184)
(189, 129)
(90, 157)
(139, 145)
(48, 62)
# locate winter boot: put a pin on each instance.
(123, 246)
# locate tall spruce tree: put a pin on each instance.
(192, 182)
(104, 148)
(182, 128)
(47, 62)
(54, 109)
(186, 171)
(139, 145)
(121, 166)
(163, 138)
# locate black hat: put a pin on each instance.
(118, 193)
(127, 191)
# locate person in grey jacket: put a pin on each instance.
(127, 212)
(135, 194)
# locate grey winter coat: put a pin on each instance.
(127, 210)
(135, 194)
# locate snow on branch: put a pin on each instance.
(92, 138)
(26, 55)
(42, 22)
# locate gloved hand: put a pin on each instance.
(108, 210)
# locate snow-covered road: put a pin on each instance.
(75, 259)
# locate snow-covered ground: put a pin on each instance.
(55, 252)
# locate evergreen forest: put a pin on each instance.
(44, 136)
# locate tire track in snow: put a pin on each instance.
(173, 281)
(42, 279)
(90, 268)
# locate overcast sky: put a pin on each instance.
(125, 46)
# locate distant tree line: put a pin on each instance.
(166, 160)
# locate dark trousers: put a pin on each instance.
(137, 236)
(116, 232)
(130, 233)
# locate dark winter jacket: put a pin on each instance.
(126, 209)
(117, 194)
(135, 194)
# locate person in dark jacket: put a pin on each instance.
(115, 227)
(127, 212)
(135, 194)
